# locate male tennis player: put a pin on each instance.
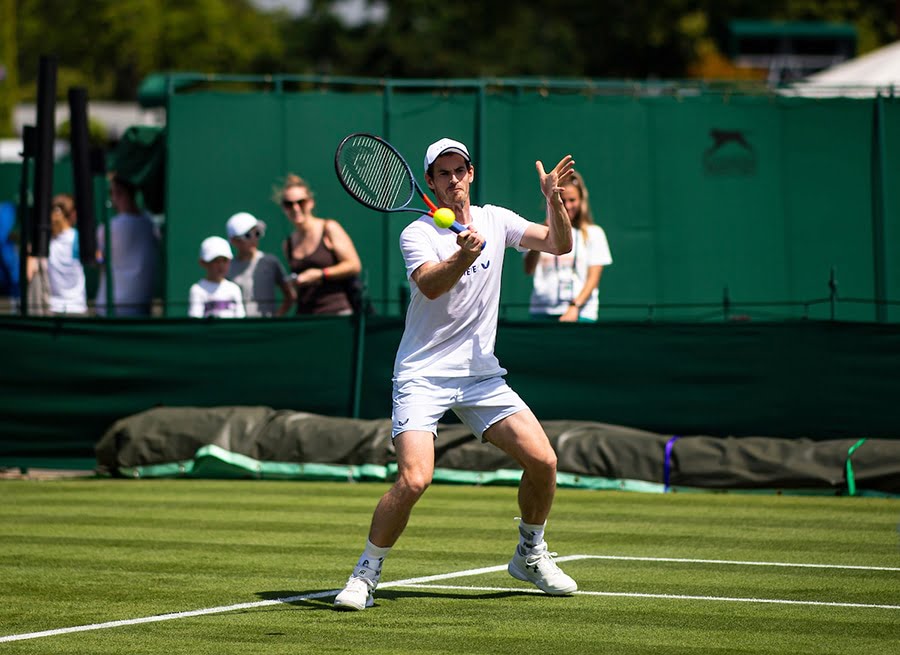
(446, 361)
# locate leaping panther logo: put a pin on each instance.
(724, 137)
(731, 153)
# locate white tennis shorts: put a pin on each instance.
(479, 402)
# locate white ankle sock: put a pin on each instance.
(531, 534)
(369, 564)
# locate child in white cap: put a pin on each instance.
(214, 295)
(258, 274)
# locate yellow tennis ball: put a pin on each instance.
(444, 217)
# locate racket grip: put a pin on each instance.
(457, 227)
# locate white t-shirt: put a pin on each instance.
(133, 255)
(454, 334)
(222, 299)
(67, 288)
(557, 280)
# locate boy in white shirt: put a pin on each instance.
(214, 295)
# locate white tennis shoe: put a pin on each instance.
(537, 567)
(356, 594)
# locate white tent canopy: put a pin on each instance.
(864, 77)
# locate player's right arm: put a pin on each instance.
(434, 279)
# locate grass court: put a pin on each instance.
(211, 567)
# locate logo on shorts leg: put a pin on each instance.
(402, 423)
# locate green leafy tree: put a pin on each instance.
(589, 38)
(97, 132)
(9, 77)
(109, 46)
(426, 39)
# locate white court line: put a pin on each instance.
(736, 562)
(165, 617)
(243, 606)
(623, 594)
(433, 578)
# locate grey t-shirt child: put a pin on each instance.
(258, 279)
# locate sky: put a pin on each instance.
(353, 12)
(294, 7)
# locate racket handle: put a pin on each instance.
(457, 227)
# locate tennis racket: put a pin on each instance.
(376, 175)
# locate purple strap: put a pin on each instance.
(667, 467)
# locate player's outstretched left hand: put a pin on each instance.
(551, 182)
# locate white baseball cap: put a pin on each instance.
(442, 147)
(213, 247)
(241, 223)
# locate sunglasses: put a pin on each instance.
(252, 234)
(287, 204)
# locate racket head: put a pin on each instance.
(374, 173)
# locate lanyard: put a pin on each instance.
(570, 282)
(574, 255)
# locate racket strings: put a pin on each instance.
(375, 174)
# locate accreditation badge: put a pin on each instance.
(566, 285)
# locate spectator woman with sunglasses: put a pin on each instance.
(319, 252)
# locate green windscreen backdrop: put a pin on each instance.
(715, 205)
(730, 217)
(66, 381)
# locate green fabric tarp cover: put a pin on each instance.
(261, 442)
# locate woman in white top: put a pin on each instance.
(66, 274)
(565, 286)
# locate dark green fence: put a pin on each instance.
(714, 204)
(65, 381)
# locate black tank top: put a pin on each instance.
(327, 297)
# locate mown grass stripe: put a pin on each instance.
(734, 562)
(424, 582)
(625, 594)
(240, 606)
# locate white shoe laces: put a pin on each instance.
(543, 559)
(357, 583)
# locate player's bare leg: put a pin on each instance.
(415, 469)
(522, 438)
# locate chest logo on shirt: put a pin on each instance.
(210, 307)
(474, 267)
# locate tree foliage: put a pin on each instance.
(9, 85)
(109, 46)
